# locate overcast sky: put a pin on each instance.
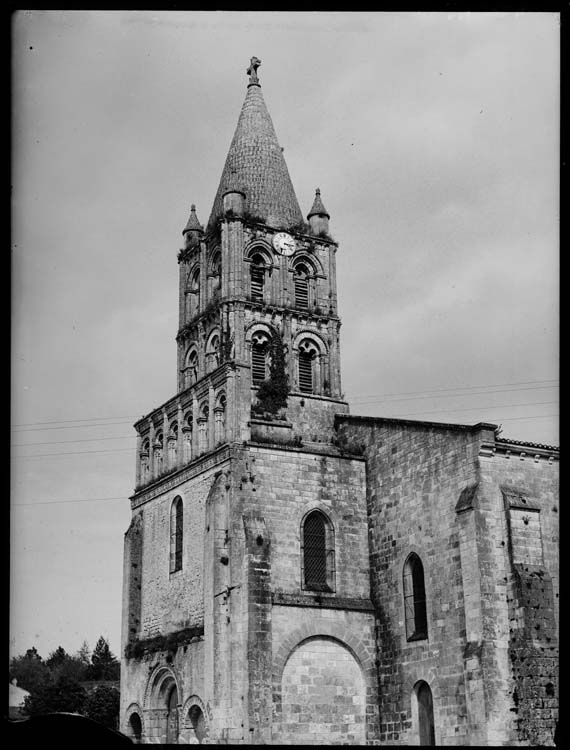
(435, 141)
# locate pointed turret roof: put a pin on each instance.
(318, 209)
(193, 223)
(255, 164)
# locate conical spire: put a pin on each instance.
(256, 166)
(318, 209)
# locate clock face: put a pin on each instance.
(284, 243)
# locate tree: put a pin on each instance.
(62, 694)
(104, 664)
(102, 705)
(84, 653)
(30, 670)
(63, 664)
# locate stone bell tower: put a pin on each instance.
(259, 276)
(235, 539)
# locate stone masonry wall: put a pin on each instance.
(273, 489)
(414, 479)
(525, 486)
(172, 601)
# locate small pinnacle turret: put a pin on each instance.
(318, 216)
(193, 229)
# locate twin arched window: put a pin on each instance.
(317, 548)
(176, 534)
(415, 599)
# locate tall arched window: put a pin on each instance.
(176, 535)
(301, 280)
(260, 352)
(257, 277)
(308, 362)
(317, 545)
(415, 599)
(422, 712)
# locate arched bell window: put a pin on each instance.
(176, 534)
(260, 357)
(257, 272)
(317, 547)
(308, 359)
(415, 599)
(301, 282)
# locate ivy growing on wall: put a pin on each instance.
(171, 642)
(272, 393)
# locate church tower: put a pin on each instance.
(246, 573)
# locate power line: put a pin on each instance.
(63, 502)
(476, 408)
(70, 427)
(77, 440)
(32, 425)
(67, 421)
(454, 395)
(72, 453)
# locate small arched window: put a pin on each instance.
(145, 465)
(203, 428)
(191, 368)
(194, 292)
(308, 360)
(415, 599)
(135, 728)
(301, 280)
(213, 353)
(176, 535)
(158, 453)
(187, 433)
(317, 552)
(172, 445)
(220, 420)
(257, 277)
(216, 274)
(260, 352)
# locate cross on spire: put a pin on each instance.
(254, 64)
